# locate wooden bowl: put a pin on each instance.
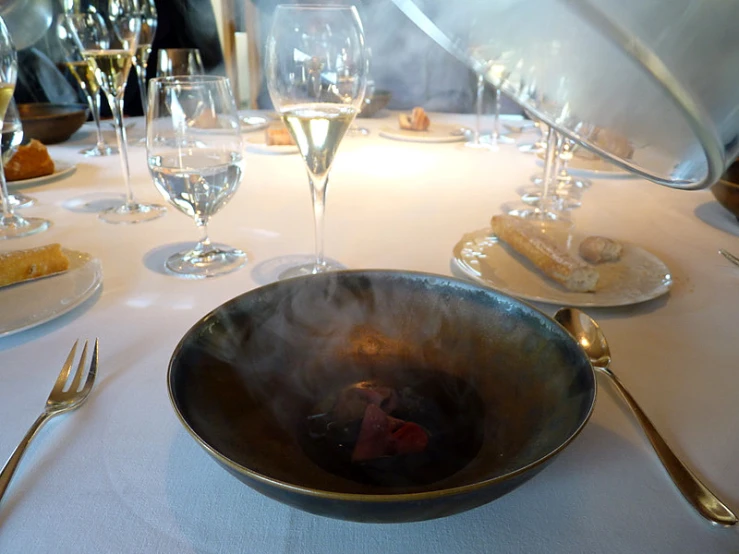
(372, 105)
(499, 387)
(51, 123)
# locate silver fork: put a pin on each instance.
(59, 401)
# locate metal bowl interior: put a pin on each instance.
(51, 123)
(244, 379)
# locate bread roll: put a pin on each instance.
(29, 161)
(546, 255)
(598, 250)
(279, 137)
(21, 265)
(417, 120)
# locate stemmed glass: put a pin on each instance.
(85, 77)
(194, 151)
(12, 136)
(109, 48)
(179, 61)
(317, 76)
(11, 224)
(148, 13)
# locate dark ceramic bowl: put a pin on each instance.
(372, 105)
(51, 123)
(499, 387)
(726, 190)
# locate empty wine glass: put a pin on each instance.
(109, 47)
(11, 224)
(179, 61)
(12, 137)
(312, 50)
(194, 151)
(85, 77)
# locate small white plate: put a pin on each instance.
(637, 277)
(257, 145)
(61, 170)
(437, 132)
(26, 305)
(251, 123)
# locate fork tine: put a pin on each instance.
(74, 387)
(93, 371)
(64, 373)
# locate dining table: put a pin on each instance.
(122, 475)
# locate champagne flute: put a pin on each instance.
(317, 76)
(148, 13)
(85, 77)
(108, 48)
(11, 224)
(179, 61)
(12, 137)
(477, 143)
(195, 156)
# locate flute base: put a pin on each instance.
(203, 262)
(310, 269)
(96, 151)
(14, 227)
(132, 212)
(17, 201)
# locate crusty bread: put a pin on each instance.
(417, 120)
(29, 161)
(21, 265)
(545, 254)
(598, 250)
(278, 137)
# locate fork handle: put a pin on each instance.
(10, 466)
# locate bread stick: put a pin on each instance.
(20, 265)
(554, 262)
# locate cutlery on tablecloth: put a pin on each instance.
(59, 401)
(729, 256)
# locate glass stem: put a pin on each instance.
(318, 194)
(204, 244)
(478, 108)
(95, 101)
(496, 118)
(5, 195)
(142, 62)
(116, 106)
(550, 169)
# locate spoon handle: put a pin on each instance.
(690, 486)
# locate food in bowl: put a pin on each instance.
(298, 389)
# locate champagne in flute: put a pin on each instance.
(110, 67)
(84, 75)
(318, 130)
(6, 93)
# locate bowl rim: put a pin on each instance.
(75, 108)
(384, 497)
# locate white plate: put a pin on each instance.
(251, 123)
(437, 132)
(61, 169)
(26, 305)
(257, 144)
(637, 277)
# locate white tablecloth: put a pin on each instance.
(122, 475)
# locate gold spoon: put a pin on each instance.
(590, 337)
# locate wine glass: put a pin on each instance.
(179, 61)
(11, 224)
(317, 76)
(12, 137)
(195, 156)
(85, 77)
(109, 47)
(148, 13)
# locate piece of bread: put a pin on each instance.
(278, 137)
(598, 250)
(417, 120)
(545, 254)
(21, 265)
(29, 161)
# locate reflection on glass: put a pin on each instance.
(179, 61)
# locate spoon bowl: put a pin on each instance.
(591, 338)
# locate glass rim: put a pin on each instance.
(190, 79)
